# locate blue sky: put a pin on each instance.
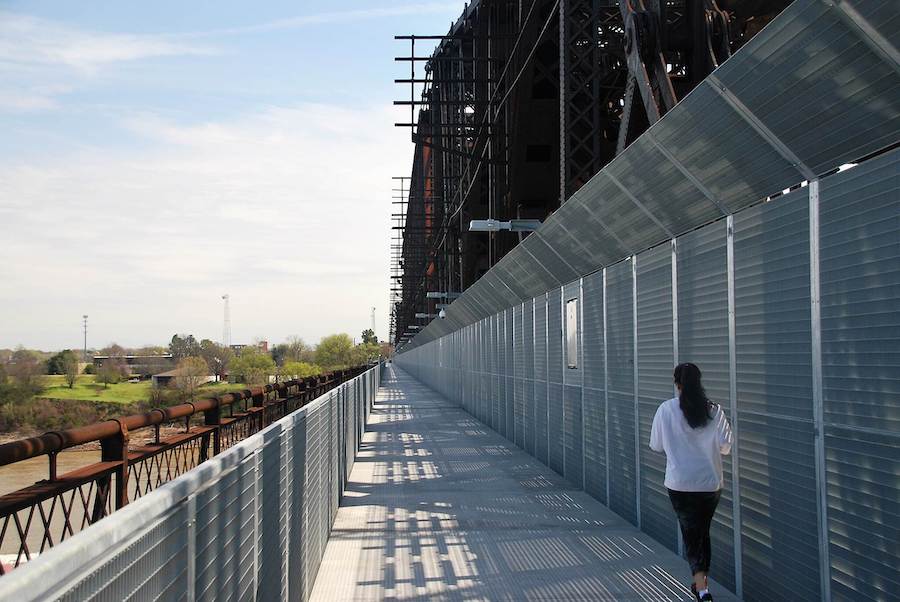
(156, 155)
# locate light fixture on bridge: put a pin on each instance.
(513, 225)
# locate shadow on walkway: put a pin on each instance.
(439, 506)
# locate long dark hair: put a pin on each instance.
(693, 401)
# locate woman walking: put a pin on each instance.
(694, 434)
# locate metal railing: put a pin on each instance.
(249, 523)
(134, 460)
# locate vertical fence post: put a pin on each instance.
(257, 472)
(581, 367)
(534, 387)
(637, 415)
(817, 389)
(735, 426)
(678, 537)
(547, 368)
(605, 391)
(191, 534)
(287, 444)
(562, 360)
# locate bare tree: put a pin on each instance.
(216, 357)
(27, 369)
(109, 373)
(70, 369)
(191, 373)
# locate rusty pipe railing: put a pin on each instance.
(37, 517)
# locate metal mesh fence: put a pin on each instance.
(790, 308)
(251, 523)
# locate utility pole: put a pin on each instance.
(84, 324)
(226, 325)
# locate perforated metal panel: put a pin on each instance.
(702, 282)
(844, 91)
(153, 568)
(509, 384)
(860, 286)
(860, 265)
(555, 337)
(653, 181)
(620, 363)
(774, 380)
(499, 423)
(655, 352)
(272, 517)
(540, 382)
(816, 89)
(593, 233)
(519, 375)
(723, 151)
(528, 344)
(555, 443)
(224, 543)
(249, 523)
(594, 388)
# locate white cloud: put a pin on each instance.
(27, 40)
(286, 209)
(444, 8)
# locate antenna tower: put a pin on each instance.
(84, 325)
(226, 326)
(373, 321)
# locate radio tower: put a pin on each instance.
(226, 326)
(373, 321)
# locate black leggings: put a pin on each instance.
(695, 510)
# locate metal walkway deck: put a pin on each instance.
(439, 506)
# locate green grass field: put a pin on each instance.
(86, 388)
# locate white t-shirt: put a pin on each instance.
(693, 456)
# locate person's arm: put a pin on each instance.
(656, 435)
(723, 430)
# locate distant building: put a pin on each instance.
(164, 379)
(262, 346)
(140, 365)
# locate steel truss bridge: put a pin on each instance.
(743, 213)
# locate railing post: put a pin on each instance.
(113, 449)
(259, 401)
(212, 418)
(283, 399)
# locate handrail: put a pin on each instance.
(36, 517)
(56, 441)
(193, 534)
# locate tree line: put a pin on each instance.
(292, 359)
(22, 371)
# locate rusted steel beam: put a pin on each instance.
(56, 441)
(45, 490)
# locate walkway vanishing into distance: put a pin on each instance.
(439, 506)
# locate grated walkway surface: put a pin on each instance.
(439, 506)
